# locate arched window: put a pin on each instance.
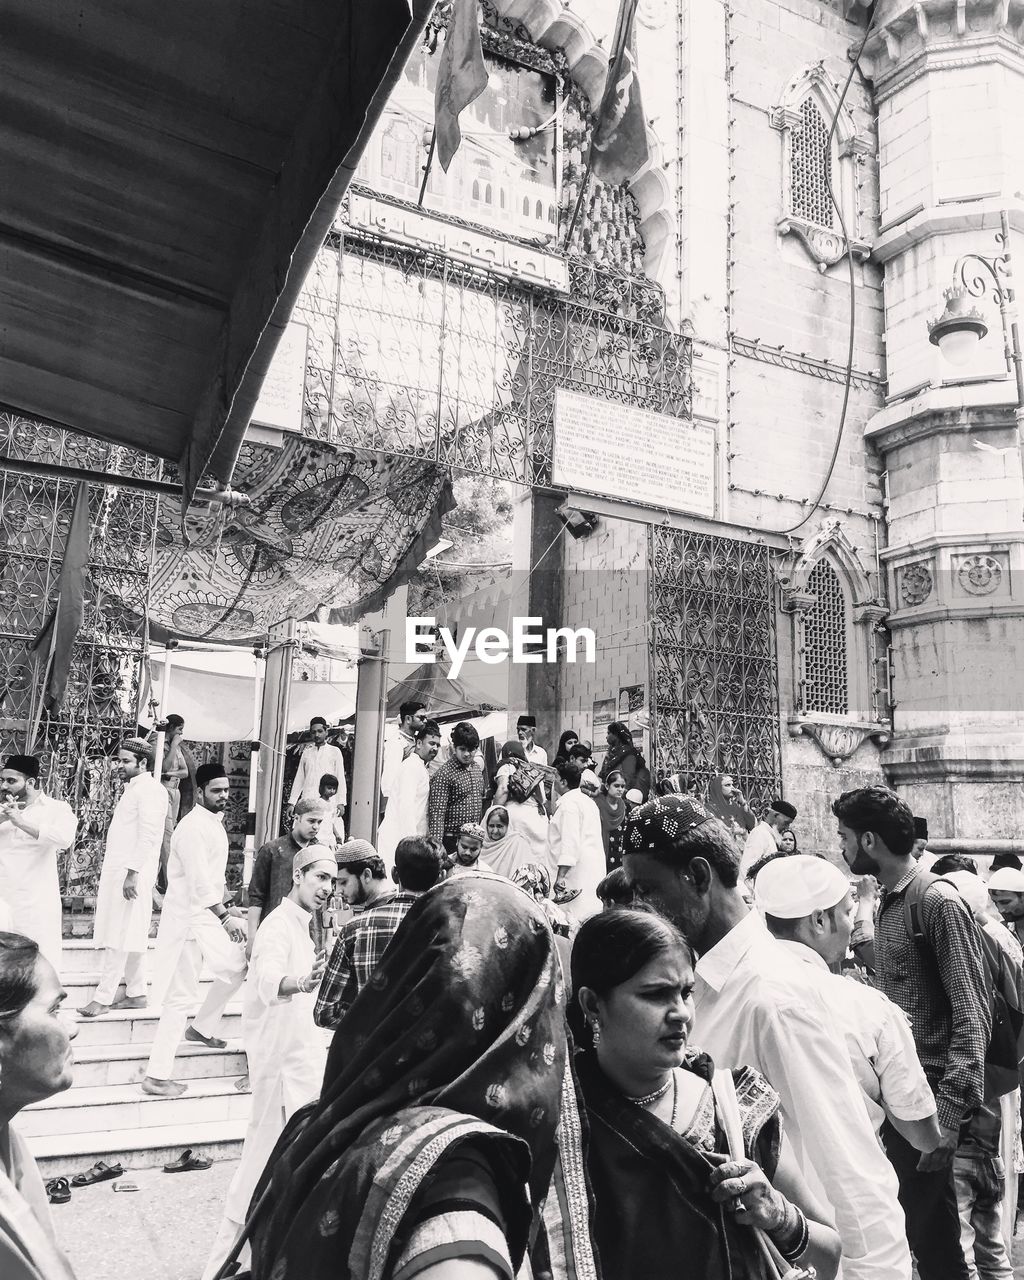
(476, 188)
(488, 194)
(526, 206)
(826, 668)
(501, 197)
(811, 167)
(552, 217)
(540, 210)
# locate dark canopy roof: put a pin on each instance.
(167, 173)
(446, 698)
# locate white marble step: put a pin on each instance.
(147, 1147)
(125, 1064)
(138, 1026)
(116, 1108)
(80, 988)
(82, 953)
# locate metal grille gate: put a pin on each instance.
(714, 673)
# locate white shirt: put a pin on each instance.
(575, 841)
(879, 1040)
(398, 746)
(759, 844)
(197, 865)
(406, 813)
(29, 882)
(754, 1006)
(134, 838)
(313, 764)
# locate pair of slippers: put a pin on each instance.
(58, 1190)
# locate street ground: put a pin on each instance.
(164, 1230)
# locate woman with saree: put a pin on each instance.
(36, 1062)
(504, 850)
(726, 802)
(684, 1163)
(517, 789)
(432, 1147)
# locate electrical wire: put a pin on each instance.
(848, 381)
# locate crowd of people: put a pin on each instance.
(562, 1013)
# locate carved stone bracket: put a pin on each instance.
(838, 740)
(824, 246)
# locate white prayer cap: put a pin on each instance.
(588, 778)
(1007, 879)
(313, 853)
(972, 889)
(636, 796)
(793, 886)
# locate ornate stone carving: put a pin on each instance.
(653, 13)
(825, 247)
(978, 575)
(915, 583)
(839, 740)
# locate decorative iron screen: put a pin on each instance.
(810, 161)
(714, 670)
(416, 354)
(100, 705)
(825, 670)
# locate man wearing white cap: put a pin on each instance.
(576, 845)
(285, 1049)
(765, 837)
(809, 906)
(1006, 888)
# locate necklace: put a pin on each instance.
(675, 1100)
(648, 1098)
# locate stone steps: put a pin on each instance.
(123, 1064)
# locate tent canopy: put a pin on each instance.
(169, 172)
(446, 699)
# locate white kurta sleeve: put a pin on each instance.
(565, 834)
(339, 773)
(149, 829)
(269, 964)
(57, 824)
(906, 1093)
(193, 852)
(299, 781)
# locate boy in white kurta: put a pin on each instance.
(34, 828)
(131, 860)
(410, 791)
(287, 1052)
(576, 846)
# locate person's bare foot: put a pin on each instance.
(93, 1009)
(130, 1002)
(162, 1088)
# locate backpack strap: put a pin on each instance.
(913, 910)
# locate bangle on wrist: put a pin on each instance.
(793, 1236)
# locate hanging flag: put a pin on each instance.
(57, 637)
(618, 146)
(461, 77)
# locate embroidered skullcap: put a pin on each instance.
(633, 796)
(661, 821)
(474, 829)
(139, 747)
(355, 851)
(791, 888)
(1007, 880)
(920, 828)
(526, 722)
(207, 773)
(590, 778)
(785, 808)
(313, 853)
(27, 765)
(972, 889)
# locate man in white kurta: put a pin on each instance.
(34, 829)
(756, 1006)
(410, 791)
(318, 757)
(766, 836)
(131, 859)
(287, 1052)
(399, 741)
(576, 848)
(196, 929)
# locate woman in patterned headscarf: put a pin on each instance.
(434, 1137)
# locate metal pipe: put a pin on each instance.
(52, 471)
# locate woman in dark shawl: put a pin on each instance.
(672, 1196)
(726, 802)
(434, 1137)
(623, 757)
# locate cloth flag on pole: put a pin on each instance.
(461, 78)
(618, 146)
(57, 638)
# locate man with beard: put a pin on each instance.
(1006, 888)
(131, 861)
(409, 792)
(754, 1005)
(271, 879)
(286, 1052)
(34, 828)
(196, 929)
(940, 984)
(364, 939)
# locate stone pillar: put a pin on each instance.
(948, 77)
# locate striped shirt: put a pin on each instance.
(358, 951)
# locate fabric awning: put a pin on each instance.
(167, 174)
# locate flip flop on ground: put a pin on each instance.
(187, 1162)
(100, 1172)
(58, 1191)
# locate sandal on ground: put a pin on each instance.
(566, 895)
(58, 1191)
(187, 1162)
(100, 1172)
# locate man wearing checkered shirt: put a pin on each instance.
(456, 789)
(941, 986)
(364, 939)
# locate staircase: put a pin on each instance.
(105, 1115)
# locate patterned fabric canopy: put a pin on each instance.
(341, 528)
